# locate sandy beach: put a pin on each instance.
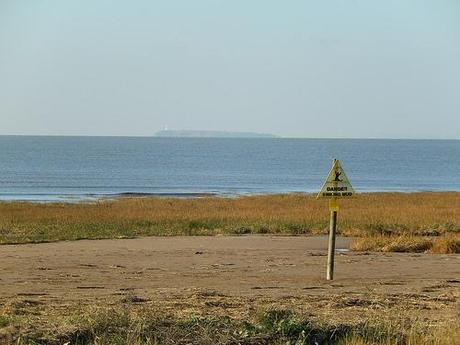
(241, 266)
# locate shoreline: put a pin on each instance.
(45, 198)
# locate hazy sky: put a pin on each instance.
(298, 68)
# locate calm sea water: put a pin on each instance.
(74, 168)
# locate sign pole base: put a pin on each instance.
(333, 207)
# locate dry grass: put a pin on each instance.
(446, 333)
(422, 214)
(207, 317)
(448, 244)
(125, 326)
(444, 244)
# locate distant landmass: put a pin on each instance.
(211, 134)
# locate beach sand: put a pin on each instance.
(248, 267)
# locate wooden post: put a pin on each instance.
(331, 248)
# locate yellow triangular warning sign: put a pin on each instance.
(337, 184)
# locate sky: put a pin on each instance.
(297, 68)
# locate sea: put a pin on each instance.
(75, 169)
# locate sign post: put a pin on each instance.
(335, 187)
(331, 247)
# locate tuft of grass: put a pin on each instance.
(4, 321)
(391, 244)
(446, 244)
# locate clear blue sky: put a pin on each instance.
(297, 68)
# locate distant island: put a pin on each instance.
(210, 134)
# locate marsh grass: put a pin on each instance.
(376, 214)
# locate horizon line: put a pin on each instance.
(191, 137)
